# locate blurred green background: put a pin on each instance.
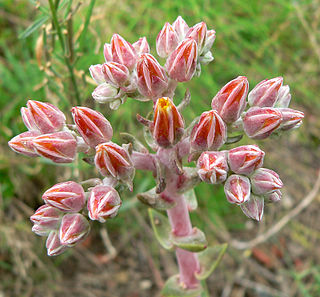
(258, 39)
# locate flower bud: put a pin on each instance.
(67, 196)
(210, 133)
(265, 93)
(245, 159)
(237, 189)
(259, 123)
(210, 38)
(168, 126)
(96, 73)
(22, 143)
(103, 203)
(123, 51)
(181, 27)
(253, 208)
(115, 73)
(274, 196)
(264, 181)
(198, 33)
(104, 93)
(212, 167)
(47, 216)
(40, 230)
(42, 117)
(182, 62)
(92, 125)
(53, 244)
(291, 118)
(107, 52)
(167, 41)
(230, 101)
(284, 97)
(74, 228)
(60, 147)
(152, 79)
(141, 46)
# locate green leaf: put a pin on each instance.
(172, 288)
(210, 259)
(154, 200)
(234, 139)
(195, 242)
(191, 199)
(33, 27)
(161, 228)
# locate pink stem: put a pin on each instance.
(143, 161)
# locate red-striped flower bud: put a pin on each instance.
(67, 196)
(47, 216)
(60, 147)
(123, 51)
(264, 181)
(167, 41)
(212, 167)
(265, 93)
(253, 208)
(92, 125)
(105, 93)
(107, 52)
(210, 133)
(198, 33)
(168, 126)
(22, 143)
(230, 101)
(53, 244)
(291, 118)
(96, 73)
(237, 189)
(181, 27)
(284, 97)
(43, 117)
(274, 196)
(115, 73)
(151, 77)
(210, 38)
(245, 159)
(259, 123)
(74, 228)
(103, 203)
(40, 230)
(182, 62)
(141, 46)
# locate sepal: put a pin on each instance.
(173, 288)
(194, 242)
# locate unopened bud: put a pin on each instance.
(141, 46)
(22, 143)
(181, 27)
(115, 73)
(107, 52)
(96, 73)
(53, 244)
(274, 196)
(198, 33)
(47, 216)
(253, 208)
(265, 181)
(291, 118)
(237, 189)
(167, 41)
(123, 51)
(210, 38)
(284, 97)
(105, 93)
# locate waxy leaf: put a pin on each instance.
(172, 288)
(152, 199)
(195, 242)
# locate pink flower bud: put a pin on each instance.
(245, 159)
(103, 203)
(60, 147)
(253, 208)
(92, 125)
(96, 73)
(115, 73)
(230, 101)
(274, 196)
(40, 230)
(210, 133)
(67, 196)
(265, 93)
(123, 51)
(22, 143)
(152, 79)
(291, 118)
(265, 181)
(212, 167)
(182, 62)
(259, 123)
(198, 33)
(181, 27)
(168, 126)
(104, 93)
(210, 38)
(284, 97)
(237, 189)
(141, 46)
(43, 117)
(167, 41)
(107, 52)
(47, 216)
(74, 228)
(53, 244)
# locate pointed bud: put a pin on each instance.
(92, 125)
(141, 46)
(210, 133)
(182, 62)
(181, 27)
(237, 189)
(284, 97)
(40, 230)
(60, 147)
(123, 51)
(74, 228)
(115, 73)
(198, 33)
(53, 244)
(22, 143)
(274, 196)
(168, 126)
(206, 58)
(103, 203)
(107, 52)
(47, 216)
(264, 181)
(104, 93)
(259, 123)
(151, 76)
(28, 119)
(253, 208)
(96, 73)
(291, 119)
(212, 167)
(230, 101)
(245, 159)
(67, 196)
(265, 93)
(210, 38)
(167, 41)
